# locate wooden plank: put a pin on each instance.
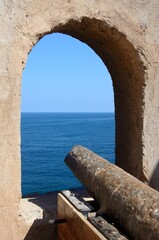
(77, 227)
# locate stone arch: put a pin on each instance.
(127, 72)
(128, 75)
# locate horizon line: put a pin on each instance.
(67, 112)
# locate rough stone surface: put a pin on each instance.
(125, 35)
(127, 201)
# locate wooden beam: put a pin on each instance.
(77, 226)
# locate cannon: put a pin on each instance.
(122, 197)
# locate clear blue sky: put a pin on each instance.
(63, 74)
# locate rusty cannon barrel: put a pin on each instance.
(134, 205)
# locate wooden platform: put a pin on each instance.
(74, 210)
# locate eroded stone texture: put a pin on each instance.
(125, 35)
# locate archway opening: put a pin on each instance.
(127, 71)
(67, 100)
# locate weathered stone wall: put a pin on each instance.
(125, 35)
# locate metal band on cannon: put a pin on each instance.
(131, 203)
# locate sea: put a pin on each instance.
(46, 139)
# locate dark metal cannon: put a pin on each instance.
(131, 203)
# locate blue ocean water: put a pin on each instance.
(46, 138)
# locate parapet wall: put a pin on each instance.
(125, 35)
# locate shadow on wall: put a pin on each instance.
(41, 228)
(154, 180)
